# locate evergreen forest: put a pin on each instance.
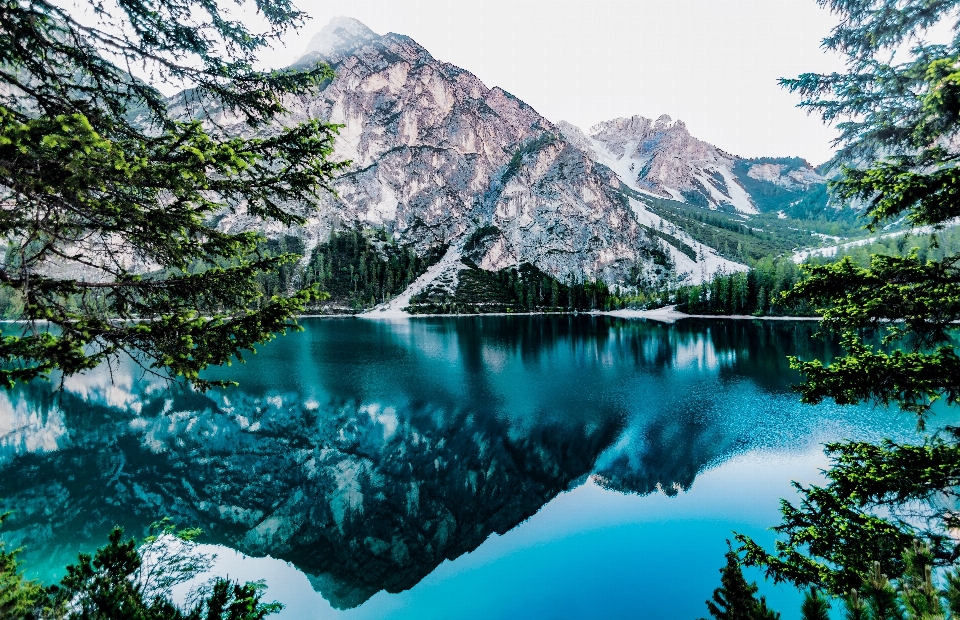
(760, 290)
(514, 289)
(757, 291)
(362, 268)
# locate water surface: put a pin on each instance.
(474, 467)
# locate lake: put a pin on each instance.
(475, 467)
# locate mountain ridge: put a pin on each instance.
(438, 156)
(661, 158)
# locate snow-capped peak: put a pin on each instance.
(340, 34)
(665, 122)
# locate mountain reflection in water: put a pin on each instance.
(368, 452)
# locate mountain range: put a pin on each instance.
(441, 160)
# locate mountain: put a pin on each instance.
(441, 163)
(437, 155)
(660, 157)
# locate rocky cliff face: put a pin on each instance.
(660, 157)
(437, 155)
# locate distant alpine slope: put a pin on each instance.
(440, 159)
(660, 157)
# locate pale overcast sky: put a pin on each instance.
(712, 63)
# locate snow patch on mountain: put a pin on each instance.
(449, 265)
(689, 271)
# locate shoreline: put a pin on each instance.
(667, 314)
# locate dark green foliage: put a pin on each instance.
(896, 116)
(116, 584)
(881, 597)
(834, 537)
(19, 598)
(814, 606)
(915, 304)
(757, 291)
(855, 608)
(736, 599)
(846, 537)
(696, 198)
(215, 54)
(717, 180)
(765, 613)
(837, 522)
(897, 314)
(360, 269)
(951, 593)
(688, 251)
(645, 298)
(746, 238)
(105, 586)
(286, 277)
(523, 289)
(733, 237)
(919, 597)
(103, 181)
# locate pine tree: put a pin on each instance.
(736, 599)
(761, 301)
(898, 116)
(919, 597)
(19, 597)
(814, 606)
(952, 592)
(765, 613)
(899, 122)
(881, 596)
(116, 583)
(854, 607)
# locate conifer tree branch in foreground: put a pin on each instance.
(897, 317)
(122, 580)
(109, 198)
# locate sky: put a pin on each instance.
(714, 64)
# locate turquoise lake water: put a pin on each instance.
(477, 467)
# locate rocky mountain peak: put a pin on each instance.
(440, 159)
(341, 34)
(664, 122)
(660, 157)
